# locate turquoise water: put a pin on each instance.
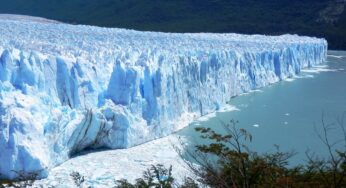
(289, 113)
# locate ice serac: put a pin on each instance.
(66, 88)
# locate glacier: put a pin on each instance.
(67, 88)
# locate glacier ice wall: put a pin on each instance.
(66, 88)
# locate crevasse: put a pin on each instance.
(65, 88)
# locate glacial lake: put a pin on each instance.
(288, 113)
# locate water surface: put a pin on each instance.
(289, 113)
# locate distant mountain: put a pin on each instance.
(321, 18)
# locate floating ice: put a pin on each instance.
(66, 88)
(336, 56)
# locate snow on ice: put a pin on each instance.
(66, 88)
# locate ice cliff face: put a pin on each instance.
(65, 88)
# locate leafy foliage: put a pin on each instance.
(233, 164)
(227, 162)
(157, 176)
(330, 172)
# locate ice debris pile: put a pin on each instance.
(66, 88)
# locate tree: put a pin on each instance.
(227, 162)
(155, 177)
(330, 171)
